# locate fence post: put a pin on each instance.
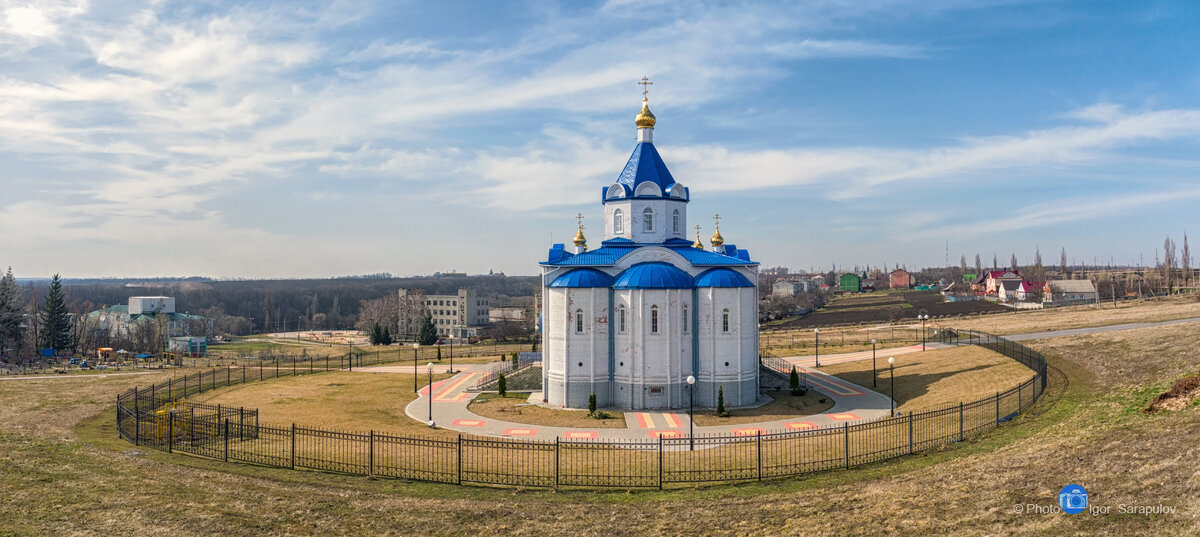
(459, 458)
(910, 433)
(846, 436)
(226, 439)
(660, 460)
(293, 445)
(171, 390)
(1019, 399)
(960, 421)
(371, 455)
(243, 373)
(556, 463)
(997, 409)
(171, 431)
(137, 419)
(760, 454)
(241, 423)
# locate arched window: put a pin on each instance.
(618, 224)
(578, 321)
(648, 220)
(675, 221)
(685, 318)
(653, 319)
(621, 319)
(725, 320)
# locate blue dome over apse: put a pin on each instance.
(584, 277)
(722, 277)
(653, 275)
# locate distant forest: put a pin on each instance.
(246, 306)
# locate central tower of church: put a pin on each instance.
(632, 320)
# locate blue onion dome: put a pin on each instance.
(583, 277)
(653, 275)
(722, 277)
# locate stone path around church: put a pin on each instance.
(852, 404)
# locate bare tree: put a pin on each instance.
(1168, 263)
(1013, 264)
(995, 262)
(1062, 262)
(1185, 261)
(978, 265)
(962, 267)
(1039, 271)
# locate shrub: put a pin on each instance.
(592, 404)
(439, 353)
(534, 345)
(794, 381)
(721, 403)
(502, 386)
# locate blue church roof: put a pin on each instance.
(653, 275)
(583, 277)
(645, 165)
(615, 249)
(722, 277)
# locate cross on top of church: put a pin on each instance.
(579, 217)
(646, 83)
(717, 220)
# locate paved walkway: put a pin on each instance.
(852, 403)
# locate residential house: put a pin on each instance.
(1064, 290)
(900, 279)
(988, 283)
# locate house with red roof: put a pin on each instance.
(989, 282)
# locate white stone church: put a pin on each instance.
(631, 320)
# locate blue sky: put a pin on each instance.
(251, 139)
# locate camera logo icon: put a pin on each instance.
(1073, 499)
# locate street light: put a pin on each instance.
(923, 318)
(892, 381)
(691, 408)
(874, 375)
(415, 347)
(817, 335)
(429, 369)
(451, 355)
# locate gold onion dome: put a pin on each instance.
(698, 244)
(645, 118)
(717, 239)
(580, 240)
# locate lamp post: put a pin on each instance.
(429, 370)
(298, 319)
(415, 347)
(451, 355)
(923, 318)
(874, 375)
(691, 380)
(892, 381)
(817, 336)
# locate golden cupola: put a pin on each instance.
(580, 240)
(645, 119)
(698, 244)
(717, 239)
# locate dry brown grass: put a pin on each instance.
(938, 377)
(1025, 322)
(341, 400)
(63, 473)
(507, 409)
(785, 406)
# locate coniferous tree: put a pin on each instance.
(439, 355)
(387, 337)
(502, 385)
(592, 404)
(794, 381)
(56, 319)
(721, 402)
(12, 315)
(376, 334)
(428, 333)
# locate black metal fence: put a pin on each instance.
(157, 417)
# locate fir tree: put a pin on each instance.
(534, 349)
(428, 333)
(502, 386)
(387, 337)
(721, 403)
(592, 404)
(56, 320)
(794, 381)
(12, 315)
(376, 334)
(439, 356)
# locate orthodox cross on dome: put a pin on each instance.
(646, 83)
(717, 221)
(579, 217)
(580, 241)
